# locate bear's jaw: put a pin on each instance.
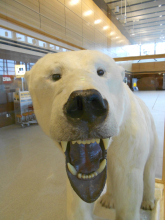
(86, 166)
(105, 141)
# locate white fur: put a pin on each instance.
(132, 152)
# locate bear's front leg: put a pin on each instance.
(127, 192)
(77, 209)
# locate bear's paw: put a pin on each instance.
(147, 205)
(107, 201)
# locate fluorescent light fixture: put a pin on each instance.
(105, 27)
(97, 21)
(87, 13)
(73, 2)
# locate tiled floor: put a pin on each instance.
(31, 176)
(155, 100)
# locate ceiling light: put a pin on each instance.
(159, 6)
(105, 27)
(133, 34)
(160, 24)
(160, 16)
(112, 33)
(117, 37)
(97, 21)
(73, 2)
(87, 13)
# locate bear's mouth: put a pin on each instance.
(86, 166)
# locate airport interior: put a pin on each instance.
(132, 32)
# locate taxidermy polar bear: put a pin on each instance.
(81, 102)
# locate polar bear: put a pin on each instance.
(102, 128)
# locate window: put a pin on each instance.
(132, 50)
(160, 47)
(5, 33)
(42, 44)
(147, 49)
(20, 37)
(31, 40)
(52, 47)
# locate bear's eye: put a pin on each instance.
(56, 77)
(100, 72)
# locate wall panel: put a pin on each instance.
(73, 22)
(76, 8)
(146, 66)
(88, 44)
(73, 37)
(3, 7)
(30, 4)
(52, 28)
(22, 13)
(61, 1)
(87, 14)
(99, 38)
(57, 14)
(88, 31)
(151, 66)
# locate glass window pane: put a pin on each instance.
(31, 40)
(42, 43)
(5, 33)
(160, 47)
(132, 50)
(147, 49)
(20, 37)
(52, 47)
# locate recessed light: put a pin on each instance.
(117, 37)
(112, 33)
(87, 13)
(97, 21)
(105, 27)
(160, 16)
(74, 2)
(159, 6)
(160, 24)
(133, 34)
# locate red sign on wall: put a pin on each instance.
(7, 79)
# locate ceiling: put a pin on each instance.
(144, 21)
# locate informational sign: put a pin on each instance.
(19, 70)
(25, 96)
(7, 79)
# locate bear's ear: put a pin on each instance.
(122, 71)
(27, 76)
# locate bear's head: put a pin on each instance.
(78, 99)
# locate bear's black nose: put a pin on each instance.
(87, 105)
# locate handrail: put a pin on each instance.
(154, 56)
